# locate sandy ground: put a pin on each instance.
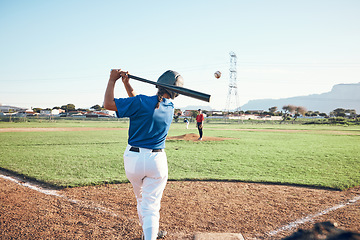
(257, 211)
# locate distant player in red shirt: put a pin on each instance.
(199, 121)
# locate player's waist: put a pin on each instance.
(143, 150)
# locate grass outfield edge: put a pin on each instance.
(26, 178)
(53, 186)
(259, 182)
(44, 184)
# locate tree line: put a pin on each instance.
(289, 112)
(70, 107)
(296, 111)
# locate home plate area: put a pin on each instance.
(190, 210)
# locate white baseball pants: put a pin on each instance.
(148, 173)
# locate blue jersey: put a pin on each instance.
(148, 126)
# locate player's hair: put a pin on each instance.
(160, 96)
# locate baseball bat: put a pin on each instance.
(181, 90)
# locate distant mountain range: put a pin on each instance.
(345, 96)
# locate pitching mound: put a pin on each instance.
(195, 137)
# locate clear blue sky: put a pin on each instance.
(57, 52)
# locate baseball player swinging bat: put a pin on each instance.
(181, 90)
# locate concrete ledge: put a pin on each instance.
(218, 236)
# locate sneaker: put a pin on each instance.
(161, 234)
(200, 139)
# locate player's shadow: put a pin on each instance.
(24, 178)
(259, 182)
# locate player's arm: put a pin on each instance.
(115, 74)
(109, 102)
(125, 79)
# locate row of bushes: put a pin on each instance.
(336, 121)
(328, 121)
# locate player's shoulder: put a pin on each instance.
(142, 96)
(145, 98)
(149, 100)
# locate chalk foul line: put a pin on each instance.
(312, 216)
(55, 193)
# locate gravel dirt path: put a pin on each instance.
(257, 211)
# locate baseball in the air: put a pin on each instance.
(217, 74)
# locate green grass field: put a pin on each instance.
(321, 156)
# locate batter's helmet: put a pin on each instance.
(172, 78)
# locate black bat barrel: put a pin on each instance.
(181, 90)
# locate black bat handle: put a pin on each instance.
(142, 79)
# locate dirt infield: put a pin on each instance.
(257, 211)
(59, 129)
